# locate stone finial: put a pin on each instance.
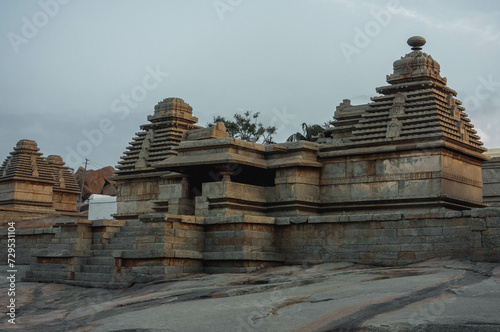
(344, 104)
(416, 42)
(55, 160)
(27, 145)
(169, 105)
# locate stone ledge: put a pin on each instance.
(61, 253)
(156, 217)
(168, 253)
(52, 253)
(31, 231)
(162, 217)
(481, 213)
(252, 256)
(178, 253)
(282, 221)
(72, 222)
(241, 219)
(137, 254)
(340, 218)
(108, 222)
(185, 219)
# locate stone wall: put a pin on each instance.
(27, 196)
(156, 247)
(28, 242)
(136, 196)
(117, 253)
(391, 239)
(240, 244)
(491, 181)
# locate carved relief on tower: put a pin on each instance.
(34, 167)
(462, 131)
(144, 152)
(62, 182)
(453, 107)
(397, 108)
(394, 129)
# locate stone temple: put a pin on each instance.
(391, 182)
(34, 185)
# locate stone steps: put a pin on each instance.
(99, 270)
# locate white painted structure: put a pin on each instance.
(102, 207)
(493, 153)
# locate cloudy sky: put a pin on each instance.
(81, 76)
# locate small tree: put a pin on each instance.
(247, 128)
(309, 133)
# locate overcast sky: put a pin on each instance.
(81, 76)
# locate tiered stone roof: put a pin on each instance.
(171, 119)
(26, 163)
(417, 105)
(65, 180)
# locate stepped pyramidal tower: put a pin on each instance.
(65, 187)
(137, 178)
(29, 182)
(415, 140)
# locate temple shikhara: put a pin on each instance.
(401, 179)
(33, 184)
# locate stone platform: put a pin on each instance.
(120, 253)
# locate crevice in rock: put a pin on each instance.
(356, 320)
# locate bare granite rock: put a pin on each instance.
(436, 295)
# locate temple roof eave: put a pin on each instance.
(219, 158)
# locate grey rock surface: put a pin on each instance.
(436, 295)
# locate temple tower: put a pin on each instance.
(138, 180)
(26, 179)
(65, 190)
(31, 183)
(414, 146)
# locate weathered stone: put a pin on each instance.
(388, 184)
(493, 222)
(31, 183)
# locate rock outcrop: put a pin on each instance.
(435, 295)
(96, 181)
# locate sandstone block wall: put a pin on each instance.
(117, 253)
(136, 197)
(240, 244)
(391, 239)
(491, 181)
(65, 255)
(159, 247)
(28, 242)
